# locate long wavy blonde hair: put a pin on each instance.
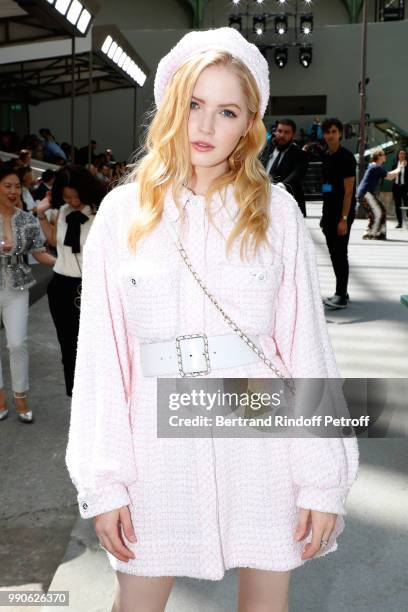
(165, 157)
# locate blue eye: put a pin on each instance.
(231, 114)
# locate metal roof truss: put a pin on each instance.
(51, 78)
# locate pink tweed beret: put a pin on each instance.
(225, 39)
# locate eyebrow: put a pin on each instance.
(220, 105)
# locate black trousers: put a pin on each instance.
(338, 249)
(62, 291)
(400, 193)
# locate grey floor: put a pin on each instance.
(44, 545)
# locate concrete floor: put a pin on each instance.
(38, 550)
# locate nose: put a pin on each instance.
(206, 123)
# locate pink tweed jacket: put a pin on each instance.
(199, 506)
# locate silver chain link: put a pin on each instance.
(288, 382)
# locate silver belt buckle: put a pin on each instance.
(180, 356)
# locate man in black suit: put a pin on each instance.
(286, 162)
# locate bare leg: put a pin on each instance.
(262, 591)
(141, 593)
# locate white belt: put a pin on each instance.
(196, 354)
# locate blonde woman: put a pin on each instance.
(199, 506)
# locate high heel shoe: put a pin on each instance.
(24, 417)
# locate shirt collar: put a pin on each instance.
(187, 197)
(87, 210)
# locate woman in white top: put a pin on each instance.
(67, 229)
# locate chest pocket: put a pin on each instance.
(150, 290)
(247, 293)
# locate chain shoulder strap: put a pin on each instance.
(79, 267)
(77, 299)
(288, 382)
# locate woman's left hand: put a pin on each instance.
(322, 525)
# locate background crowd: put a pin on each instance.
(44, 147)
(59, 207)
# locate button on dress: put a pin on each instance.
(199, 506)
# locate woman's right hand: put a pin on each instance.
(45, 203)
(108, 529)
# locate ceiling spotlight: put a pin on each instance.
(235, 1)
(281, 1)
(259, 1)
(281, 56)
(259, 25)
(306, 24)
(235, 22)
(307, 1)
(305, 56)
(281, 25)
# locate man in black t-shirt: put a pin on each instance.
(339, 204)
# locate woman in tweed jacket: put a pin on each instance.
(199, 506)
(20, 235)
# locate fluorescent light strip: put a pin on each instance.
(117, 55)
(84, 20)
(62, 6)
(74, 11)
(106, 44)
(122, 59)
(112, 49)
(126, 64)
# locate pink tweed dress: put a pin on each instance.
(199, 506)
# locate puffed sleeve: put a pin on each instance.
(323, 469)
(99, 454)
(37, 237)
